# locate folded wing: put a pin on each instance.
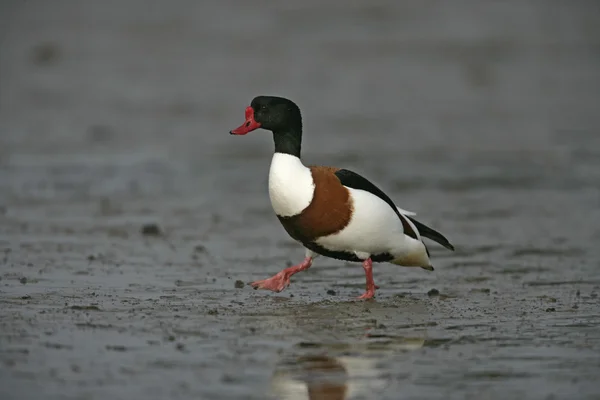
(412, 227)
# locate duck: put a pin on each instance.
(332, 212)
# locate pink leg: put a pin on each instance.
(368, 267)
(280, 281)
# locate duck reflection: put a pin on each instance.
(317, 376)
(327, 376)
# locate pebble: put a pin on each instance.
(151, 230)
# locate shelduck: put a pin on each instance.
(332, 212)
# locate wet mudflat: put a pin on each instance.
(130, 220)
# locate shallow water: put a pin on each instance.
(481, 117)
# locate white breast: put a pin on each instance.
(291, 186)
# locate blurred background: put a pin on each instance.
(128, 213)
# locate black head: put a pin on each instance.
(274, 114)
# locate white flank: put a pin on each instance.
(291, 186)
(374, 229)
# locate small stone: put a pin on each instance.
(226, 378)
(45, 53)
(151, 230)
(433, 293)
(180, 346)
(91, 257)
(214, 311)
(171, 338)
(550, 309)
(86, 308)
(23, 280)
(119, 348)
(239, 284)
(100, 133)
(200, 249)
(578, 293)
(331, 292)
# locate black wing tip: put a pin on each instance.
(449, 246)
(432, 234)
(441, 240)
(446, 243)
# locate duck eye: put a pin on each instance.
(263, 107)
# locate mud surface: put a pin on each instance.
(128, 215)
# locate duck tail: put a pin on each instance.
(432, 234)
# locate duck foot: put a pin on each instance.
(281, 280)
(370, 293)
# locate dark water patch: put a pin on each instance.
(58, 346)
(259, 212)
(579, 325)
(486, 214)
(190, 333)
(118, 348)
(470, 184)
(467, 264)
(476, 279)
(497, 375)
(466, 250)
(46, 54)
(480, 290)
(100, 133)
(101, 326)
(522, 270)
(86, 308)
(561, 283)
(402, 186)
(182, 283)
(548, 252)
(371, 342)
(288, 244)
(466, 327)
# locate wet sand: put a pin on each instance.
(128, 215)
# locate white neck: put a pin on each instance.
(291, 186)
